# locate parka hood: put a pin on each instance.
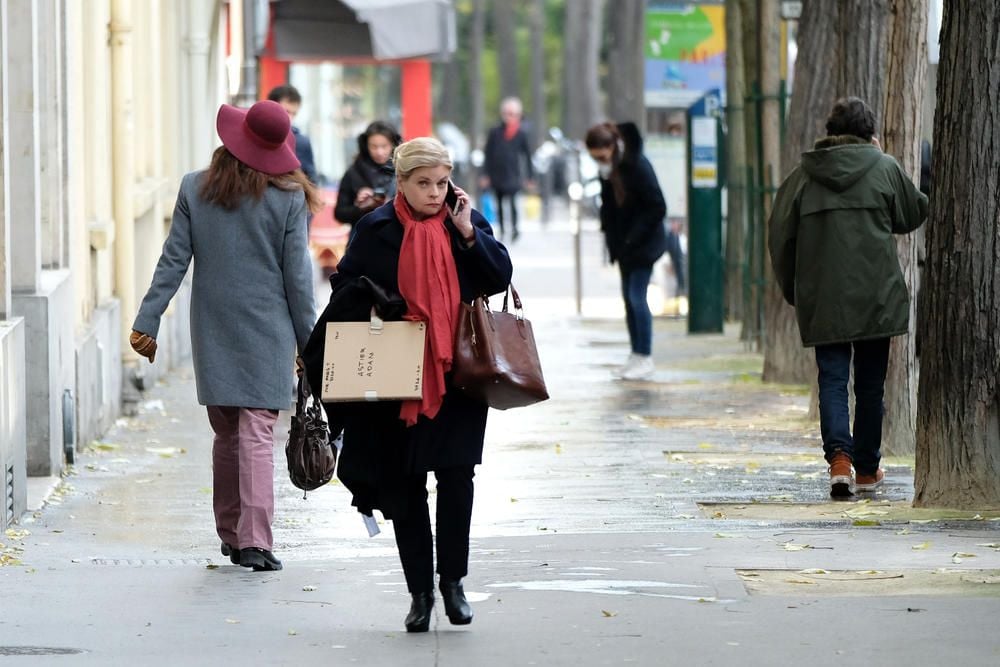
(838, 162)
(632, 139)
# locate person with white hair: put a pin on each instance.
(508, 163)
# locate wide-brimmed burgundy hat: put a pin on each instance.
(260, 137)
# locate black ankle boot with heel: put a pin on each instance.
(456, 607)
(419, 618)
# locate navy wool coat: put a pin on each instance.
(379, 450)
(252, 297)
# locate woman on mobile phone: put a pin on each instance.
(431, 255)
(369, 181)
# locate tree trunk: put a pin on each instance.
(812, 96)
(626, 62)
(503, 31)
(753, 322)
(904, 99)
(476, 129)
(958, 414)
(538, 101)
(736, 152)
(581, 51)
(572, 41)
(785, 360)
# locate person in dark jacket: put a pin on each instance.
(369, 182)
(508, 162)
(632, 213)
(834, 256)
(415, 251)
(290, 99)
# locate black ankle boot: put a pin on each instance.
(455, 605)
(419, 618)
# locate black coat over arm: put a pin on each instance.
(379, 450)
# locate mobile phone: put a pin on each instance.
(451, 199)
(378, 193)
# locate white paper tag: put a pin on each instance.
(371, 525)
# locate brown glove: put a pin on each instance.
(143, 344)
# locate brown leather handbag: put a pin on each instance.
(496, 360)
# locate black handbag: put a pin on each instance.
(496, 360)
(311, 456)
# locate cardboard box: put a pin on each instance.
(373, 361)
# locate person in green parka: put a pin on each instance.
(834, 256)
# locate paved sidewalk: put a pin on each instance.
(682, 520)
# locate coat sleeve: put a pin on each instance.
(486, 260)
(910, 204)
(651, 204)
(296, 270)
(170, 269)
(304, 151)
(782, 232)
(346, 211)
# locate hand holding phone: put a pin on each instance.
(451, 200)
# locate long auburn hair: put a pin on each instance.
(227, 181)
(606, 135)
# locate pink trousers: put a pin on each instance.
(243, 475)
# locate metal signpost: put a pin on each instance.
(705, 216)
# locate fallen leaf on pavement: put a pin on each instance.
(921, 546)
(211, 566)
(292, 633)
(788, 546)
(814, 570)
(232, 621)
(990, 545)
(800, 581)
(308, 588)
(609, 614)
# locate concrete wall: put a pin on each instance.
(12, 422)
(98, 374)
(50, 369)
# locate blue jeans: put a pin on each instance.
(637, 314)
(871, 360)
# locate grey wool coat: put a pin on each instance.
(252, 294)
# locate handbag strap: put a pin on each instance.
(518, 308)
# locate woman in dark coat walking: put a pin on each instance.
(433, 257)
(368, 182)
(243, 223)
(632, 213)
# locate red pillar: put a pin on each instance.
(272, 72)
(415, 98)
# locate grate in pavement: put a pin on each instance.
(38, 650)
(156, 562)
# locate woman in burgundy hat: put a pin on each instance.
(243, 222)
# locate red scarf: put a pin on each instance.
(510, 129)
(428, 281)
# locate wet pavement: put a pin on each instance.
(680, 519)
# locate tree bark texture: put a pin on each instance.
(476, 128)
(753, 322)
(536, 14)
(904, 99)
(736, 152)
(581, 50)
(785, 360)
(503, 32)
(626, 62)
(958, 415)
(863, 30)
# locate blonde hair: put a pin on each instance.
(420, 152)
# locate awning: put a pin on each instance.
(380, 29)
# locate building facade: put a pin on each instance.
(105, 105)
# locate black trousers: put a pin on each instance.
(507, 199)
(454, 516)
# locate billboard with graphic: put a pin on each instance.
(685, 52)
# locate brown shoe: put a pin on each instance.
(869, 482)
(840, 476)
